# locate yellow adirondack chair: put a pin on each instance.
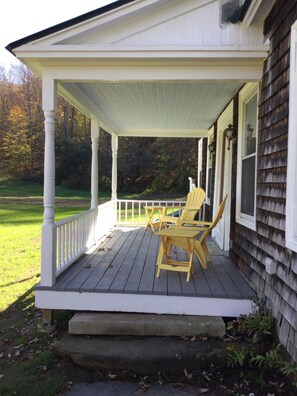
(200, 248)
(194, 202)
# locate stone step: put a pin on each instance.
(144, 355)
(133, 324)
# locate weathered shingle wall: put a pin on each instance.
(250, 249)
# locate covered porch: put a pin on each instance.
(149, 68)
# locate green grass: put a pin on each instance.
(20, 234)
(22, 189)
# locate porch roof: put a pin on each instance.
(149, 67)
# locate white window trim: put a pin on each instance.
(248, 91)
(291, 198)
(199, 169)
(208, 162)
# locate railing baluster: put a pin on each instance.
(77, 233)
(127, 210)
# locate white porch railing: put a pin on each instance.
(132, 212)
(76, 234)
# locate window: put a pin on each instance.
(247, 156)
(291, 199)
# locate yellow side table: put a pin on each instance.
(181, 237)
(151, 212)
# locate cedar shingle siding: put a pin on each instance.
(249, 248)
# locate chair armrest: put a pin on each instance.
(201, 224)
(172, 208)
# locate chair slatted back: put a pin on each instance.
(194, 202)
(216, 219)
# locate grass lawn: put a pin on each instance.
(21, 212)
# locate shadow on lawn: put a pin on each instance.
(20, 281)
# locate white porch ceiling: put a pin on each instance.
(154, 108)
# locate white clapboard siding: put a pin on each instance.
(187, 22)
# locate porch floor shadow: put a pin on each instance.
(125, 262)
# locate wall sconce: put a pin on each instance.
(229, 134)
(211, 148)
(250, 131)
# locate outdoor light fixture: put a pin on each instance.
(211, 148)
(250, 131)
(229, 134)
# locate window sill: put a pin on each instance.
(292, 245)
(246, 223)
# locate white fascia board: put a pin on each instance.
(258, 11)
(102, 19)
(179, 305)
(187, 133)
(250, 15)
(233, 69)
(141, 51)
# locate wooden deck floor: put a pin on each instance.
(126, 263)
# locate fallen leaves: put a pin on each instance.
(187, 374)
(143, 386)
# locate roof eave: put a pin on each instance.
(69, 23)
(258, 11)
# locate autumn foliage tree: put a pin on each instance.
(144, 164)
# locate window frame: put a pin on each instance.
(245, 95)
(199, 168)
(291, 191)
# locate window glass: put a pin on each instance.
(209, 182)
(250, 127)
(248, 186)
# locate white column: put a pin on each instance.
(114, 174)
(48, 241)
(94, 169)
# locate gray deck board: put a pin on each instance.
(86, 263)
(91, 282)
(240, 282)
(188, 288)
(148, 276)
(125, 262)
(119, 282)
(229, 286)
(113, 266)
(135, 274)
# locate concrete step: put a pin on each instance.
(144, 355)
(132, 324)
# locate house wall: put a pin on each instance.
(251, 248)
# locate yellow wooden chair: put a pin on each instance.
(200, 248)
(194, 202)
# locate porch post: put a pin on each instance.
(94, 169)
(114, 174)
(48, 240)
